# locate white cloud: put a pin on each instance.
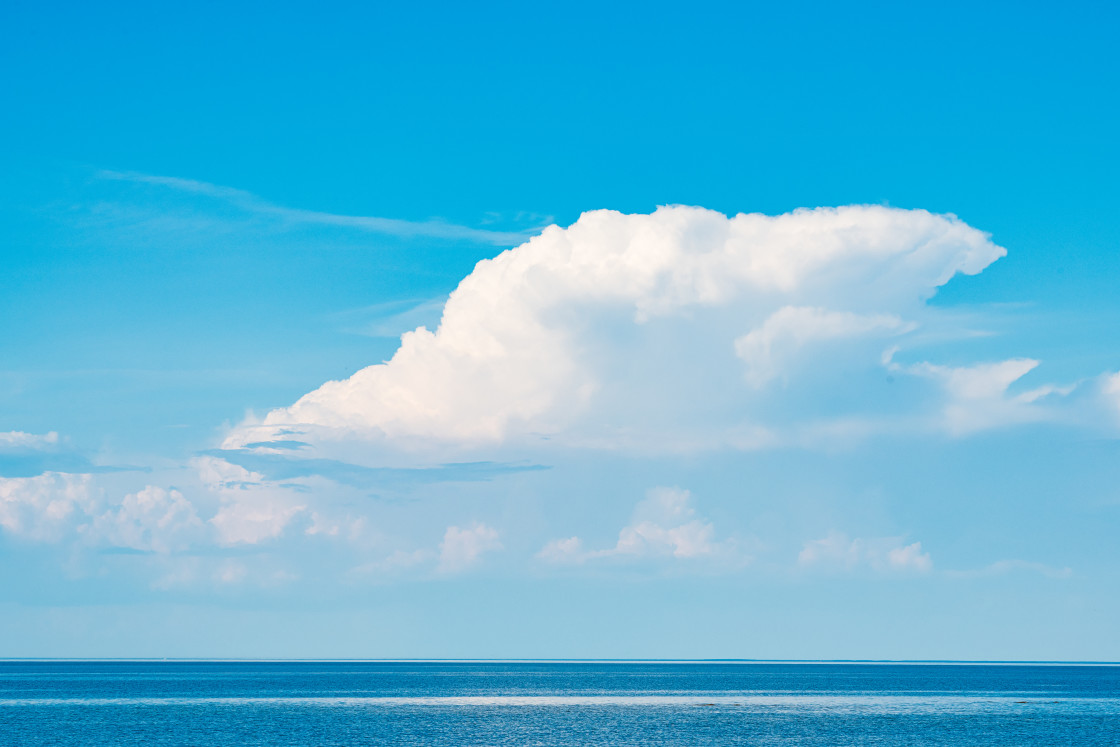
(1111, 390)
(978, 398)
(54, 506)
(622, 330)
(664, 524)
(559, 551)
(252, 510)
(463, 547)
(977, 383)
(21, 440)
(909, 557)
(217, 474)
(47, 506)
(253, 514)
(151, 519)
(688, 540)
(837, 552)
(767, 349)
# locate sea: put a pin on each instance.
(435, 703)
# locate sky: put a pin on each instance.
(778, 331)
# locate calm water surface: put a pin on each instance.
(434, 703)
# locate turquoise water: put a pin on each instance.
(523, 703)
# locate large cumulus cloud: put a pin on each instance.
(645, 330)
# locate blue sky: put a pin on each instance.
(680, 433)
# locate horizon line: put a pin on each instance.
(420, 660)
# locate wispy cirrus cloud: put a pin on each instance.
(32, 454)
(277, 461)
(254, 204)
(1005, 567)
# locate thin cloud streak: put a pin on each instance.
(435, 229)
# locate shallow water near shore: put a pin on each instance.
(555, 703)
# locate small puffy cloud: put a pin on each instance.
(462, 547)
(255, 506)
(47, 506)
(837, 552)
(620, 330)
(664, 524)
(252, 510)
(560, 551)
(255, 514)
(689, 540)
(21, 440)
(152, 519)
(56, 506)
(909, 557)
